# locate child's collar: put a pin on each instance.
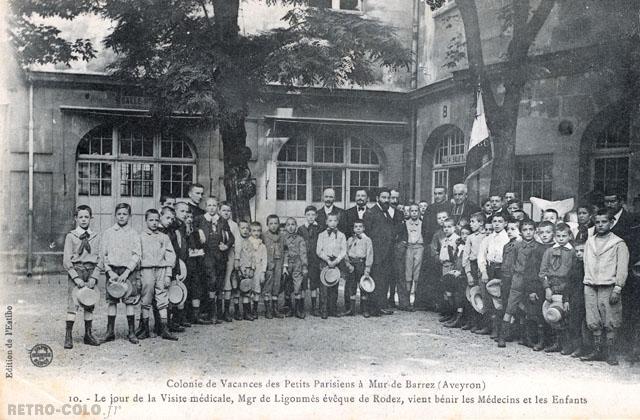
(565, 246)
(79, 231)
(209, 217)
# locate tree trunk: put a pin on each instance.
(503, 125)
(238, 184)
(503, 120)
(225, 17)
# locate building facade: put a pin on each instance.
(71, 138)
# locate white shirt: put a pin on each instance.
(328, 210)
(392, 211)
(491, 250)
(210, 218)
(361, 212)
(414, 231)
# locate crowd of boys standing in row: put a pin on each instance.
(444, 252)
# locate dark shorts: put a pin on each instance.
(517, 297)
(214, 274)
(314, 276)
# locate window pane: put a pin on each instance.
(107, 146)
(94, 178)
(295, 150)
(97, 142)
(349, 4)
(176, 149)
(94, 187)
(165, 149)
(362, 179)
(611, 173)
(534, 177)
(106, 170)
(320, 3)
(83, 147)
(187, 174)
(125, 146)
(322, 179)
(136, 149)
(83, 187)
(291, 184)
(174, 179)
(616, 135)
(83, 170)
(106, 187)
(147, 147)
(451, 148)
(125, 188)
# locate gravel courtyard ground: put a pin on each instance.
(404, 346)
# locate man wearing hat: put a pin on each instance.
(81, 260)
(381, 228)
(331, 249)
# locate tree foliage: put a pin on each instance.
(522, 20)
(189, 56)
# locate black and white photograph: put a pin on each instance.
(273, 209)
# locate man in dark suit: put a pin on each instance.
(356, 212)
(329, 197)
(380, 227)
(627, 227)
(462, 207)
(196, 193)
(430, 274)
(397, 215)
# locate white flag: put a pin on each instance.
(479, 153)
(479, 131)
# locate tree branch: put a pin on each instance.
(525, 32)
(470, 21)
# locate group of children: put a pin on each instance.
(497, 272)
(539, 283)
(223, 260)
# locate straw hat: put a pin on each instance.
(117, 289)
(367, 284)
(553, 312)
(176, 293)
(245, 285)
(330, 276)
(86, 296)
(475, 298)
(183, 271)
